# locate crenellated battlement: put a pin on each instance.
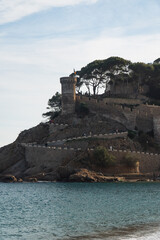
(130, 112)
(126, 105)
(66, 80)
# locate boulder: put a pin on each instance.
(8, 178)
(85, 175)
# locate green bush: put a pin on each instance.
(102, 158)
(129, 161)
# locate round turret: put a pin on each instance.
(68, 94)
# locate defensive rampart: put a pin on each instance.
(129, 112)
(156, 127)
(47, 157)
(52, 157)
(124, 105)
(114, 135)
(148, 162)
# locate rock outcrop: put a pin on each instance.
(12, 156)
(85, 175)
(33, 157)
(8, 178)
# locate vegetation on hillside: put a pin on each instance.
(99, 74)
(101, 158)
(54, 107)
(115, 70)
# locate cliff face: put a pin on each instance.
(36, 134)
(12, 156)
(27, 161)
(58, 151)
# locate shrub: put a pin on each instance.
(102, 158)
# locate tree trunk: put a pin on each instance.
(94, 90)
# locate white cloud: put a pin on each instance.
(30, 72)
(12, 10)
(144, 48)
(61, 53)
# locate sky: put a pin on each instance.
(43, 40)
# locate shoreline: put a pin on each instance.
(81, 175)
(109, 181)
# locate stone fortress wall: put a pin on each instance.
(129, 112)
(53, 157)
(156, 127)
(132, 113)
(47, 157)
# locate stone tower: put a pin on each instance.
(68, 94)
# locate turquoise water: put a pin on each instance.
(79, 211)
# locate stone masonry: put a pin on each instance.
(68, 94)
(156, 126)
(142, 117)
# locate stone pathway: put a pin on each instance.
(52, 145)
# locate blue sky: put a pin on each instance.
(43, 40)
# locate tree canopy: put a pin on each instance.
(54, 106)
(115, 70)
(157, 61)
(99, 73)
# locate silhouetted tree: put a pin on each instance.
(54, 105)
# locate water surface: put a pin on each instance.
(79, 211)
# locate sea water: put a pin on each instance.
(58, 211)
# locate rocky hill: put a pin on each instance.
(71, 132)
(12, 156)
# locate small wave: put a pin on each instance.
(141, 232)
